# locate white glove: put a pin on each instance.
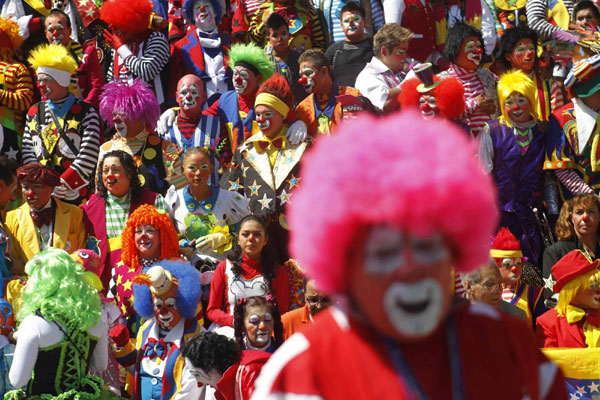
(211, 242)
(165, 122)
(296, 133)
(60, 191)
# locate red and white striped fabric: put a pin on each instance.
(459, 288)
(473, 88)
(572, 181)
(508, 293)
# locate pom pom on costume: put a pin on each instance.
(276, 86)
(253, 55)
(136, 101)
(188, 10)
(188, 289)
(38, 173)
(148, 215)
(517, 81)
(54, 60)
(129, 16)
(505, 245)
(11, 29)
(396, 195)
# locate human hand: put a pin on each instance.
(60, 191)
(112, 39)
(297, 132)
(165, 122)
(486, 106)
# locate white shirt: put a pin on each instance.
(376, 80)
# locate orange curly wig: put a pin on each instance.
(147, 214)
(129, 16)
(449, 96)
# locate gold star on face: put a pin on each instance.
(127, 285)
(254, 189)
(72, 124)
(32, 125)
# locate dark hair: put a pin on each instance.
(275, 21)
(267, 256)
(455, 37)
(209, 350)
(8, 169)
(55, 12)
(130, 169)
(239, 314)
(509, 40)
(314, 56)
(586, 5)
(353, 6)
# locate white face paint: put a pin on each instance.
(204, 15)
(414, 309)
(511, 270)
(120, 125)
(307, 79)
(188, 95)
(264, 121)
(240, 79)
(473, 51)
(351, 22)
(428, 106)
(44, 80)
(56, 32)
(211, 378)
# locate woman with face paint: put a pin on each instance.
(266, 167)
(257, 324)
(118, 195)
(513, 148)
(250, 270)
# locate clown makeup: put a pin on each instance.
(351, 23)
(188, 96)
(204, 15)
(241, 77)
(268, 120)
(428, 105)
(258, 323)
(511, 269)
(585, 220)
(114, 177)
(522, 57)
(147, 241)
(120, 125)
(518, 108)
(36, 194)
(473, 50)
(56, 30)
(307, 78)
(50, 88)
(211, 378)
(197, 169)
(470, 54)
(165, 308)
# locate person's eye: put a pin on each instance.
(170, 302)
(254, 319)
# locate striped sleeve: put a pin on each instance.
(572, 181)
(86, 160)
(318, 37)
(27, 144)
(377, 15)
(536, 18)
(556, 96)
(19, 88)
(160, 204)
(256, 32)
(154, 58)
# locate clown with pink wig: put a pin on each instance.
(386, 253)
(132, 109)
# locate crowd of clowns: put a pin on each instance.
(296, 199)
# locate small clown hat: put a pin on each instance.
(161, 280)
(425, 74)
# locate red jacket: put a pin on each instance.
(555, 331)
(238, 381)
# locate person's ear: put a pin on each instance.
(384, 51)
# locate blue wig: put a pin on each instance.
(188, 293)
(188, 10)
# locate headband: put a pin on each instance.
(506, 253)
(62, 77)
(275, 102)
(248, 66)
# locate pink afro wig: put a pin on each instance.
(422, 179)
(449, 96)
(136, 100)
(130, 16)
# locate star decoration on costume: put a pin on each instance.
(244, 169)
(119, 279)
(12, 153)
(284, 197)
(123, 309)
(254, 189)
(593, 387)
(57, 159)
(293, 181)
(72, 124)
(581, 389)
(90, 12)
(549, 282)
(44, 161)
(573, 396)
(127, 285)
(32, 125)
(235, 185)
(265, 201)
(289, 160)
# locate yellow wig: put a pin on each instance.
(588, 280)
(54, 56)
(517, 81)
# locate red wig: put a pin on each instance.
(129, 16)
(505, 240)
(449, 96)
(278, 86)
(147, 214)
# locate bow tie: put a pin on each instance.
(156, 348)
(289, 13)
(205, 35)
(44, 217)
(264, 144)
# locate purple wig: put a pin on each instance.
(188, 10)
(136, 101)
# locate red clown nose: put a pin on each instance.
(425, 107)
(516, 107)
(514, 270)
(585, 218)
(303, 80)
(110, 177)
(478, 51)
(202, 9)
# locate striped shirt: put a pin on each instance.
(572, 181)
(290, 71)
(17, 93)
(537, 11)
(331, 10)
(117, 212)
(508, 293)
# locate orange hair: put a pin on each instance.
(130, 16)
(278, 87)
(505, 240)
(147, 214)
(449, 96)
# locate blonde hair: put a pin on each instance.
(54, 56)
(517, 82)
(570, 290)
(390, 36)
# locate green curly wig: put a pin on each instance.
(57, 288)
(252, 54)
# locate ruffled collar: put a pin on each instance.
(207, 205)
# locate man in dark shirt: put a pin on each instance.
(349, 57)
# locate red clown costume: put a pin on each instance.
(394, 333)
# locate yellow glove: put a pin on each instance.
(211, 242)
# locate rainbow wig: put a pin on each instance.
(129, 16)
(188, 10)
(254, 55)
(54, 56)
(136, 101)
(188, 292)
(11, 29)
(449, 96)
(517, 81)
(450, 194)
(148, 215)
(570, 290)
(57, 288)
